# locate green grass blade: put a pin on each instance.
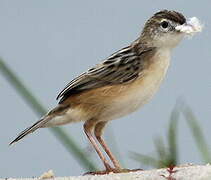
(197, 133)
(172, 136)
(21, 89)
(74, 148)
(36, 106)
(144, 159)
(160, 148)
(164, 158)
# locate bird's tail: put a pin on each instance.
(31, 129)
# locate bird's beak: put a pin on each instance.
(191, 27)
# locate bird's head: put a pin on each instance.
(167, 28)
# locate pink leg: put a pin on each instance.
(98, 133)
(88, 126)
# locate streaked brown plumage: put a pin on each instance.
(119, 85)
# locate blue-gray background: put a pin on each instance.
(49, 42)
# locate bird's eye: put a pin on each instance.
(164, 24)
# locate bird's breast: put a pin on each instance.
(130, 97)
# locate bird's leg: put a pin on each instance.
(98, 134)
(88, 127)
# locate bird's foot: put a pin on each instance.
(112, 170)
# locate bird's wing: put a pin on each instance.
(123, 66)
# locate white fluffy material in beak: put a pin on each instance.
(191, 27)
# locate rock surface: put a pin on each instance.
(185, 172)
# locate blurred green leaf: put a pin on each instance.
(197, 133)
(144, 159)
(36, 106)
(160, 147)
(166, 155)
(172, 136)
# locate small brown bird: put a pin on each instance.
(121, 84)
